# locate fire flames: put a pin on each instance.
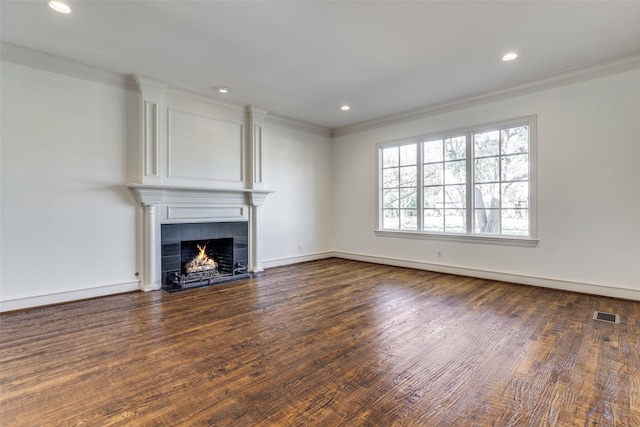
(200, 262)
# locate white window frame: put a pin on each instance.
(470, 236)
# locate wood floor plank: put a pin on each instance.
(325, 343)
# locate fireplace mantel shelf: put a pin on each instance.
(154, 194)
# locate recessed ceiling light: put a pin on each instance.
(223, 89)
(345, 108)
(509, 56)
(59, 6)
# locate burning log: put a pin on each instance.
(200, 262)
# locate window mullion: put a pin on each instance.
(420, 186)
(500, 179)
(470, 183)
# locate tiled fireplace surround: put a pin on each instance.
(179, 205)
(225, 242)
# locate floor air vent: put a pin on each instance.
(606, 317)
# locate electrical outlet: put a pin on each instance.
(439, 253)
(299, 247)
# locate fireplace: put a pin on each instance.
(201, 254)
(166, 207)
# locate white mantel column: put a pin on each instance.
(255, 255)
(255, 252)
(150, 266)
(149, 199)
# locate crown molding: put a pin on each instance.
(576, 75)
(263, 116)
(205, 99)
(46, 62)
(43, 61)
(298, 125)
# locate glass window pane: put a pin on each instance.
(409, 198)
(515, 222)
(487, 221)
(408, 219)
(455, 221)
(499, 182)
(433, 174)
(455, 172)
(515, 168)
(515, 140)
(390, 157)
(487, 170)
(455, 148)
(486, 143)
(433, 220)
(408, 176)
(391, 219)
(390, 178)
(455, 196)
(408, 155)
(487, 196)
(390, 199)
(433, 198)
(432, 151)
(515, 195)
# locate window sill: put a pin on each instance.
(527, 242)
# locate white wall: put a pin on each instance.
(68, 223)
(297, 223)
(69, 226)
(588, 180)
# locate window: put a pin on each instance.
(476, 183)
(400, 187)
(445, 188)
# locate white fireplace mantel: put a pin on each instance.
(170, 204)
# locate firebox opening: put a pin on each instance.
(205, 255)
(205, 262)
(189, 263)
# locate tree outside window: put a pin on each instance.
(475, 182)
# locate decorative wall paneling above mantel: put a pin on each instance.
(190, 140)
(200, 161)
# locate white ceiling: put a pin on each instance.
(304, 59)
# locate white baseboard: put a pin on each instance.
(97, 291)
(566, 285)
(66, 296)
(297, 259)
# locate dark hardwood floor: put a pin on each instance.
(325, 343)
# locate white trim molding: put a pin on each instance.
(150, 125)
(54, 64)
(298, 125)
(256, 120)
(614, 291)
(468, 238)
(279, 262)
(30, 301)
(600, 69)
